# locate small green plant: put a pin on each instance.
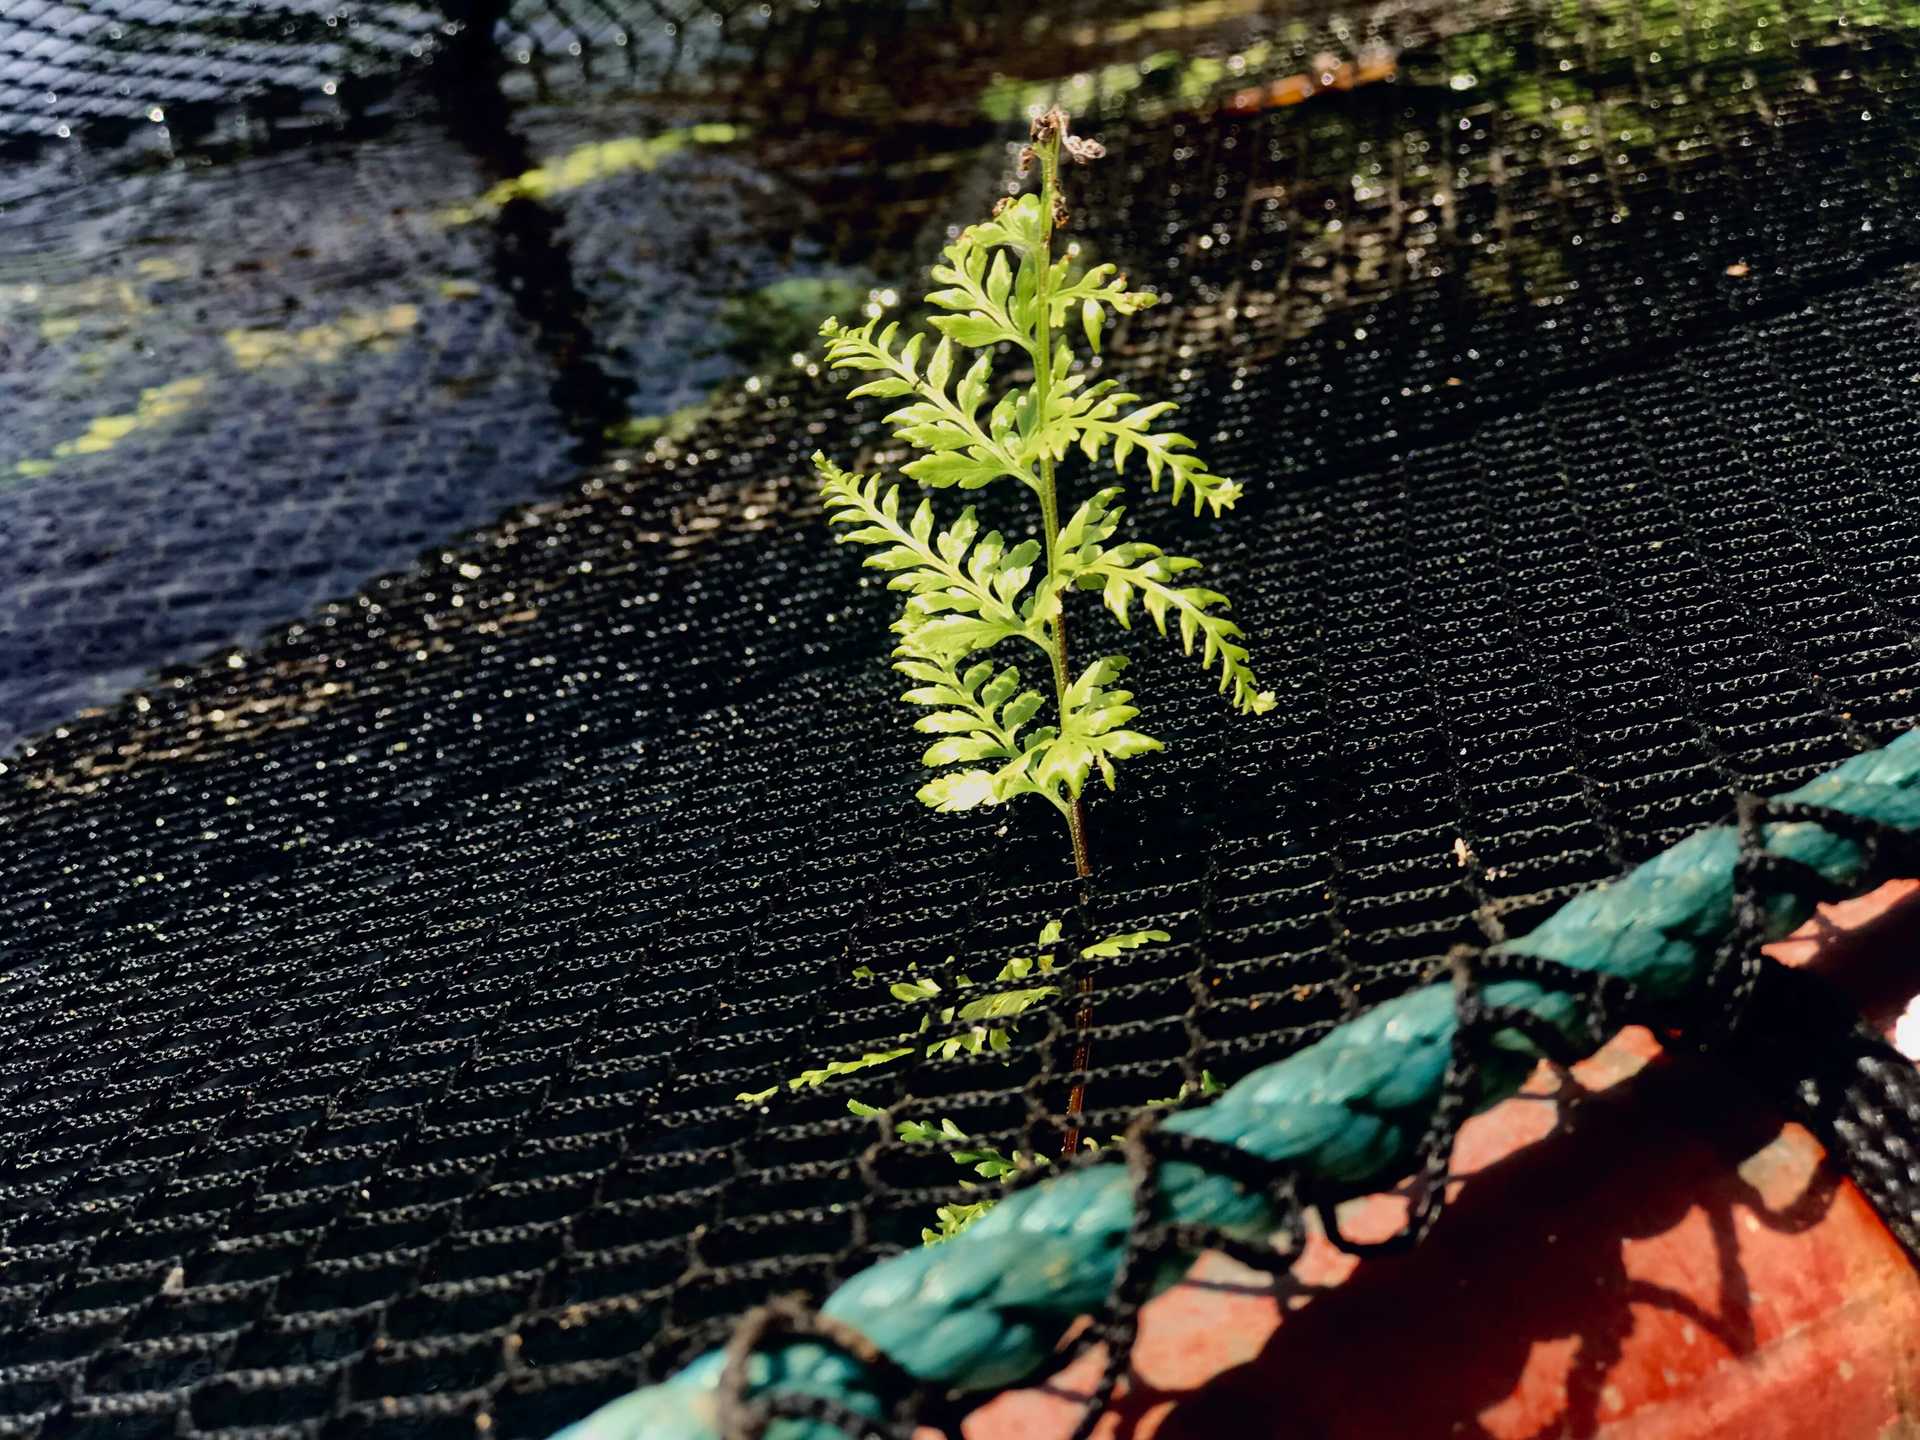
(970, 1027)
(992, 1164)
(1002, 291)
(1003, 294)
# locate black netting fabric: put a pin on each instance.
(524, 779)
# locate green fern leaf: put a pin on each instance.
(1102, 288)
(1092, 734)
(982, 711)
(1098, 417)
(1000, 288)
(999, 1006)
(954, 1219)
(1135, 571)
(814, 1078)
(964, 590)
(1115, 945)
(960, 452)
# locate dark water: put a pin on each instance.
(240, 381)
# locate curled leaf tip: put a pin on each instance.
(1048, 123)
(1054, 123)
(1082, 150)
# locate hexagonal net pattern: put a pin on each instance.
(379, 985)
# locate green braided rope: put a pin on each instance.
(985, 1310)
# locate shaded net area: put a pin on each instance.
(378, 989)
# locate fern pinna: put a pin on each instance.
(959, 1027)
(1002, 291)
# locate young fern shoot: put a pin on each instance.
(960, 1026)
(1003, 291)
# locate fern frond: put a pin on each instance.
(1098, 417)
(1017, 227)
(964, 589)
(1138, 571)
(1115, 945)
(1169, 452)
(993, 303)
(979, 288)
(986, 1020)
(978, 1038)
(980, 712)
(953, 1220)
(947, 426)
(1101, 289)
(986, 1161)
(1020, 966)
(996, 1005)
(1000, 284)
(1092, 733)
(813, 1079)
(1208, 1087)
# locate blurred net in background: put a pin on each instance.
(381, 975)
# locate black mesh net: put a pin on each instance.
(380, 983)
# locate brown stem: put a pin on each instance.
(1082, 1057)
(1077, 830)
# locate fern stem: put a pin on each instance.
(1057, 652)
(1049, 154)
